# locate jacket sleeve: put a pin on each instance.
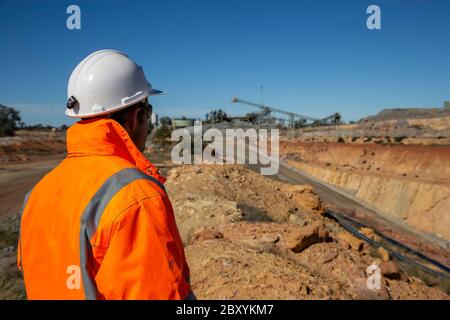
(145, 256)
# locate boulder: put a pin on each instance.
(270, 238)
(369, 233)
(390, 270)
(302, 238)
(353, 242)
(295, 218)
(207, 234)
(384, 255)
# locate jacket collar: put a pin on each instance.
(106, 137)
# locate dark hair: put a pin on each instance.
(121, 116)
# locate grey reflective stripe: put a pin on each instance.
(191, 296)
(20, 224)
(90, 289)
(25, 201)
(93, 213)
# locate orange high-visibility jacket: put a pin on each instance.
(100, 225)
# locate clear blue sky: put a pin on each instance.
(313, 57)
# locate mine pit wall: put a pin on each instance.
(426, 128)
(422, 202)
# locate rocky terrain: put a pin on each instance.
(410, 183)
(249, 237)
(31, 145)
(409, 113)
(433, 130)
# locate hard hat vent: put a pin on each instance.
(72, 102)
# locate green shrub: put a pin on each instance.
(162, 135)
(9, 121)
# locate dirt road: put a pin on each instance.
(16, 179)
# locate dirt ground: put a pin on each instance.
(27, 146)
(16, 179)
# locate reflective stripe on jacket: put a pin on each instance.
(100, 225)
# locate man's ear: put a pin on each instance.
(132, 120)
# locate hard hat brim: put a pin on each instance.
(156, 91)
(71, 113)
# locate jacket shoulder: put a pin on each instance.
(138, 198)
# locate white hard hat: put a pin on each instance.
(106, 81)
